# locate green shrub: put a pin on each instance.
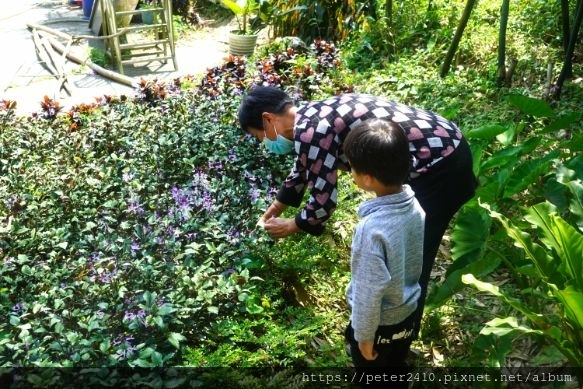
(129, 228)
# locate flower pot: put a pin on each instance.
(148, 17)
(87, 6)
(242, 44)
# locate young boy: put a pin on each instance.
(387, 251)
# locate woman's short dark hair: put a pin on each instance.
(258, 100)
(379, 148)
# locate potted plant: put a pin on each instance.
(251, 16)
(148, 17)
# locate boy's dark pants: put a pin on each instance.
(389, 369)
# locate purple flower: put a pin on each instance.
(233, 235)
(134, 205)
(232, 155)
(207, 201)
(215, 165)
(106, 277)
(254, 194)
(18, 307)
(126, 347)
(10, 202)
(182, 198)
(200, 178)
(129, 316)
(172, 231)
(127, 177)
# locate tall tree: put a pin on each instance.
(568, 63)
(504, 11)
(457, 37)
(566, 28)
(389, 12)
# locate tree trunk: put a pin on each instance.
(568, 64)
(565, 22)
(504, 11)
(457, 37)
(389, 12)
(390, 27)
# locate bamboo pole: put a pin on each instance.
(43, 51)
(117, 77)
(67, 36)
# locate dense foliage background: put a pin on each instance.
(127, 226)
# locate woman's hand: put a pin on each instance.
(274, 210)
(367, 350)
(278, 227)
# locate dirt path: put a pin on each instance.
(24, 79)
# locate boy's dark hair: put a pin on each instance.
(379, 148)
(258, 100)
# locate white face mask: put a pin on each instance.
(280, 145)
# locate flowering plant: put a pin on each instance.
(128, 226)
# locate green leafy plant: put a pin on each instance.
(127, 226)
(252, 15)
(329, 20)
(520, 172)
(555, 268)
(130, 227)
(513, 168)
(141, 200)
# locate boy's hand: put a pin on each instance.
(367, 350)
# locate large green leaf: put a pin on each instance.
(504, 326)
(486, 132)
(566, 191)
(509, 155)
(545, 264)
(527, 173)
(237, 7)
(563, 238)
(576, 206)
(531, 106)
(556, 193)
(175, 338)
(501, 158)
(477, 155)
(470, 279)
(573, 302)
(469, 236)
(490, 192)
(453, 282)
(564, 121)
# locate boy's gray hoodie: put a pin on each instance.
(386, 261)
